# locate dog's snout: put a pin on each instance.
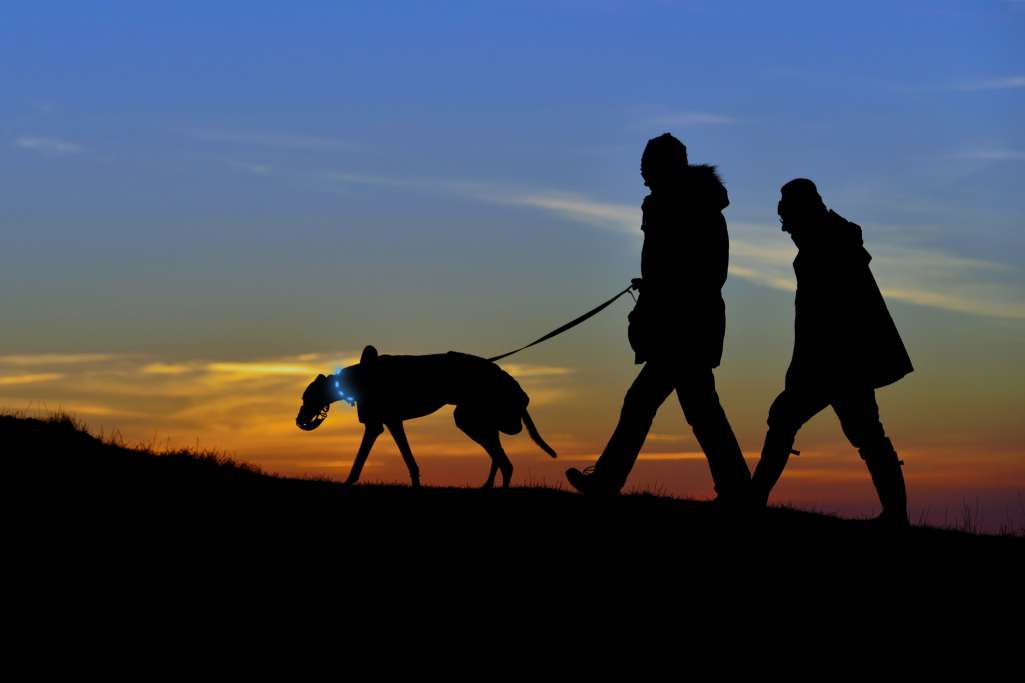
(309, 419)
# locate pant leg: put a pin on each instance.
(792, 408)
(859, 418)
(695, 389)
(651, 388)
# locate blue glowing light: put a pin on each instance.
(351, 400)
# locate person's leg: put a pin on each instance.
(695, 389)
(791, 409)
(859, 418)
(641, 403)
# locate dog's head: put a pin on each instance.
(317, 400)
(326, 389)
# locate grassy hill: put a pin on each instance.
(80, 498)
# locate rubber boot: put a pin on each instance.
(775, 453)
(888, 478)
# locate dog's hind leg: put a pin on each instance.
(399, 434)
(482, 431)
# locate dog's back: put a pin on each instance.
(473, 378)
(410, 386)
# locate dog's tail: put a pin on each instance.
(532, 430)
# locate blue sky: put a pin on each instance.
(194, 146)
(253, 181)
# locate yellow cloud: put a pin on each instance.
(522, 370)
(30, 379)
(165, 369)
(54, 358)
(258, 369)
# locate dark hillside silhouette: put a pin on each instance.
(70, 486)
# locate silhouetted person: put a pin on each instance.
(845, 347)
(677, 327)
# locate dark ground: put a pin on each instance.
(79, 507)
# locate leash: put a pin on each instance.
(571, 324)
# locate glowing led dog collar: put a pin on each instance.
(351, 400)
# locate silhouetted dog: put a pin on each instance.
(387, 390)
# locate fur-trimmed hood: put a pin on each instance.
(702, 190)
(703, 184)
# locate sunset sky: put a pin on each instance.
(204, 206)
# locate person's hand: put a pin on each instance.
(637, 282)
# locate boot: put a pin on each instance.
(775, 452)
(888, 478)
(590, 483)
(730, 476)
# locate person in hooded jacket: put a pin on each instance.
(845, 347)
(677, 327)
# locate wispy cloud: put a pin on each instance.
(28, 359)
(923, 276)
(604, 214)
(269, 139)
(927, 277)
(255, 169)
(1006, 83)
(7, 380)
(990, 154)
(521, 371)
(691, 118)
(250, 370)
(47, 146)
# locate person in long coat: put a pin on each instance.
(845, 347)
(677, 327)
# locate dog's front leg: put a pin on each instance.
(399, 434)
(371, 431)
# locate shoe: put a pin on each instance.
(895, 523)
(735, 504)
(888, 478)
(589, 483)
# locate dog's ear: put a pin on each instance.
(369, 355)
(311, 394)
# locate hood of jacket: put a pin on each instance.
(702, 191)
(845, 236)
(704, 187)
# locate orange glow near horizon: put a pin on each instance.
(246, 410)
